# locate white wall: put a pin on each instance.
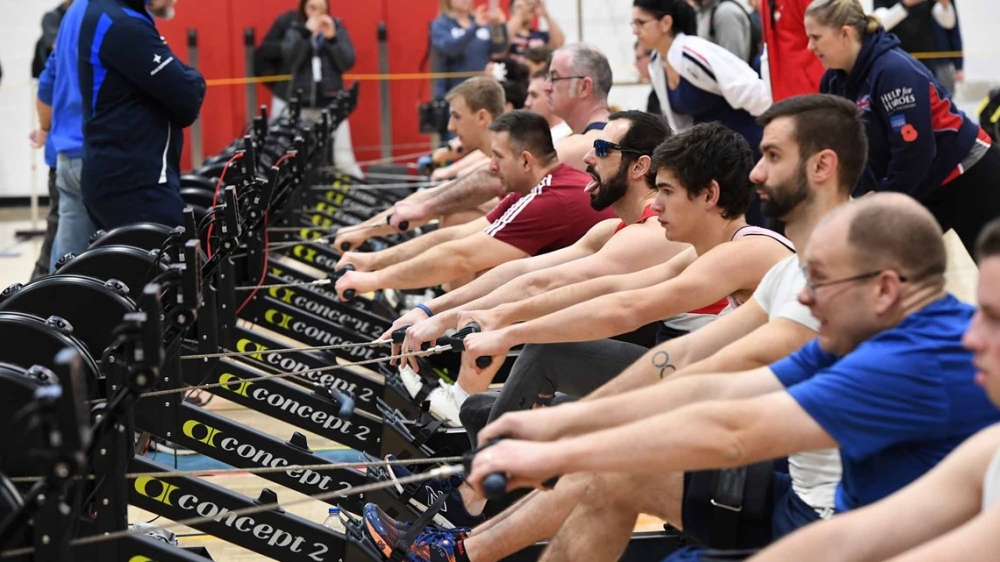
(19, 30)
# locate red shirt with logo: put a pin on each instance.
(553, 215)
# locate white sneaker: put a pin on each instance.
(411, 380)
(444, 406)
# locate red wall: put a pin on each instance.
(220, 25)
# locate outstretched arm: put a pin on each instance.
(722, 271)
(717, 434)
(372, 261)
(441, 264)
(927, 510)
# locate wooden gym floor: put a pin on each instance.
(17, 258)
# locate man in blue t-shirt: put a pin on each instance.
(953, 511)
(887, 381)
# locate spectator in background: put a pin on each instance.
(316, 50)
(727, 24)
(696, 80)
(523, 36)
(920, 142)
(642, 58)
(924, 26)
(40, 137)
(790, 68)
(137, 99)
(949, 71)
(465, 40)
(537, 58)
(45, 43)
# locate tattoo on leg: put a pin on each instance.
(661, 361)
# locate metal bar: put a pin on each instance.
(385, 106)
(197, 145)
(249, 41)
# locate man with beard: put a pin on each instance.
(814, 150)
(621, 183)
(544, 210)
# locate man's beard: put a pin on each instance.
(784, 198)
(609, 191)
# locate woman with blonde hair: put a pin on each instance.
(919, 142)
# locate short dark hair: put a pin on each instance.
(528, 131)
(542, 73)
(826, 122)
(645, 132)
(539, 55)
(707, 152)
(988, 242)
(516, 93)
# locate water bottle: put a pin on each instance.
(333, 521)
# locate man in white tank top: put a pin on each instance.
(952, 512)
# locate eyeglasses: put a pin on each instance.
(636, 24)
(555, 77)
(601, 148)
(812, 287)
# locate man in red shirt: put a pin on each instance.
(793, 69)
(546, 209)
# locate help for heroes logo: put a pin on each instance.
(898, 100)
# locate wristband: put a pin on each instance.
(426, 310)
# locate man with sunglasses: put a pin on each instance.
(621, 182)
(814, 150)
(545, 210)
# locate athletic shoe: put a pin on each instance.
(432, 545)
(444, 406)
(411, 380)
(453, 512)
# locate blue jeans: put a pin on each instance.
(75, 225)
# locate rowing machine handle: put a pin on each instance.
(399, 335)
(403, 226)
(481, 362)
(495, 486)
(349, 294)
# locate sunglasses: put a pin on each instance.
(601, 148)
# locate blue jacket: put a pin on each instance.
(59, 85)
(137, 99)
(916, 136)
(458, 49)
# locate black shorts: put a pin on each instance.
(772, 509)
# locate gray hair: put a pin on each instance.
(588, 60)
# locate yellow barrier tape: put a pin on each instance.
(938, 55)
(357, 77)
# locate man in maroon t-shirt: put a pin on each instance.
(546, 209)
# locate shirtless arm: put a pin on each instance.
(638, 247)
(724, 270)
(650, 384)
(496, 277)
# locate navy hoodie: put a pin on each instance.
(137, 98)
(916, 136)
